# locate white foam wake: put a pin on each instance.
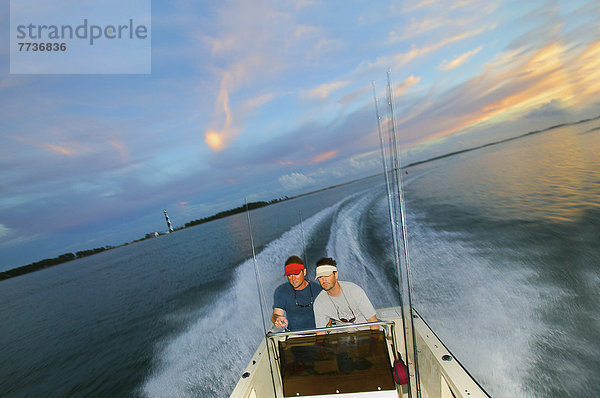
(484, 308)
(355, 262)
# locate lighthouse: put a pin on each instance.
(168, 222)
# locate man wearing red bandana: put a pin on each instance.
(293, 300)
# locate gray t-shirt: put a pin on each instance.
(352, 302)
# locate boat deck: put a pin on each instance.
(336, 364)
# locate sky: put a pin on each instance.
(255, 100)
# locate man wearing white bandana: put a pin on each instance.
(340, 302)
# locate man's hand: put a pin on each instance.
(280, 322)
(373, 319)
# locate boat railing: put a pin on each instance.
(330, 328)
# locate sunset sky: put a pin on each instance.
(266, 98)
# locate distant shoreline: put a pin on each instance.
(67, 257)
(503, 141)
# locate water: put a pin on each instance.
(505, 262)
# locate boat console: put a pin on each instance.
(350, 362)
(356, 363)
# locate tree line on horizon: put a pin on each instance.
(50, 262)
(66, 257)
(237, 210)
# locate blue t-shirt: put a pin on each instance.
(299, 318)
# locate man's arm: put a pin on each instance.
(328, 325)
(365, 306)
(278, 318)
(373, 319)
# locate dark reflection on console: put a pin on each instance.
(336, 363)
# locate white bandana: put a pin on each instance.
(325, 270)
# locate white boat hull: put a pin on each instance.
(440, 374)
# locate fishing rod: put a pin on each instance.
(302, 233)
(389, 196)
(396, 207)
(261, 294)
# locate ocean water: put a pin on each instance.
(505, 266)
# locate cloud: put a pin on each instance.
(549, 109)
(401, 59)
(121, 148)
(218, 140)
(416, 28)
(323, 157)
(406, 84)
(247, 46)
(19, 240)
(108, 148)
(436, 4)
(4, 231)
(516, 82)
(303, 31)
(307, 145)
(585, 73)
(358, 165)
(251, 45)
(295, 181)
(458, 61)
(446, 20)
(323, 91)
(66, 148)
(301, 4)
(215, 140)
(258, 101)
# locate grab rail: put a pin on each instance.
(330, 328)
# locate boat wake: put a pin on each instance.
(456, 283)
(207, 358)
(473, 294)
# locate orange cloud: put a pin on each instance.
(408, 82)
(323, 157)
(324, 90)
(458, 61)
(415, 52)
(214, 140)
(219, 140)
(119, 146)
(517, 83)
(60, 149)
(586, 74)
